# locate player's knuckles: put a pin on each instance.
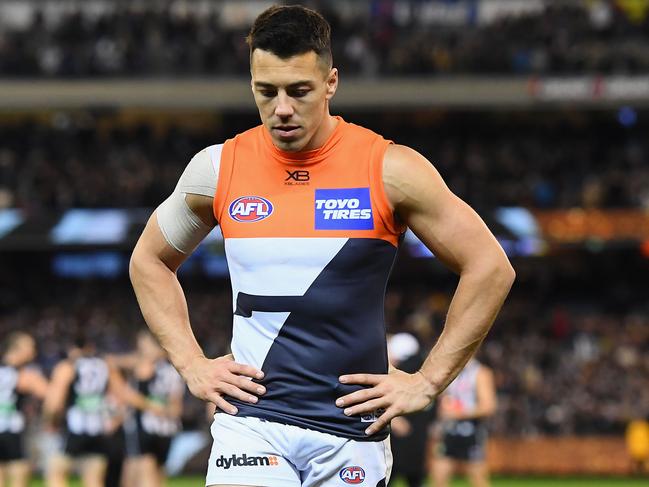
(221, 373)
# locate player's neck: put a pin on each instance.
(325, 130)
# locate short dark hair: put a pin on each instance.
(290, 30)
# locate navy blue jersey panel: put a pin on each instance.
(337, 327)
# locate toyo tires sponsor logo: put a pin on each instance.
(250, 209)
(343, 209)
(352, 475)
(246, 461)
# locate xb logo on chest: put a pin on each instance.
(248, 209)
(297, 178)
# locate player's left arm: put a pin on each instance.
(459, 238)
(32, 381)
(119, 388)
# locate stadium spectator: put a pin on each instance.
(536, 161)
(107, 39)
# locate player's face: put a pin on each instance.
(292, 96)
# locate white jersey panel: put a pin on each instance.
(300, 262)
(278, 266)
(89, 414)
(252, 337)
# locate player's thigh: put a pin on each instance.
(478, 474)
(3, 471)
(18, 473)
(443, 468)
(130, 477)
(93, 470)
(58, 464)
(245, 452)
(330, 461)
(147, 468)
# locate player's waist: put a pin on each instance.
(332, 422)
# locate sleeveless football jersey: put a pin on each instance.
(310, 241)
(87, 410)
(11, 417)
(164, 383)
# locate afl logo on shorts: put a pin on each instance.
(352, 475)
(250, 209)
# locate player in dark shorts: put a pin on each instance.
(464, 406)
(79, 388)
(17, 380)
(150, 435)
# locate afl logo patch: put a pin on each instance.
(250, 209)
(352, 475)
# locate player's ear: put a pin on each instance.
(332, 83)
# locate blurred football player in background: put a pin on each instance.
(463, 407)
(79, 389)
(17, 380)
(149, 434)
(409, 434)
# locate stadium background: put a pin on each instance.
(534, 111)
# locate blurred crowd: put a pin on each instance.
(569, 356)
(535, 160)
(107, 38)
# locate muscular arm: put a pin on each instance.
(33, 382)
(461, 240)
(125, 361)
(125, 393)
(152, 270)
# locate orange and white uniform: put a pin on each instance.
(310, 241)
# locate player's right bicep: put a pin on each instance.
(185, 220)
(186, 217)
(153, 248)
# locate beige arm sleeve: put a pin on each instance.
(180, 226)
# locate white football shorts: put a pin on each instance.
(254, 452)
